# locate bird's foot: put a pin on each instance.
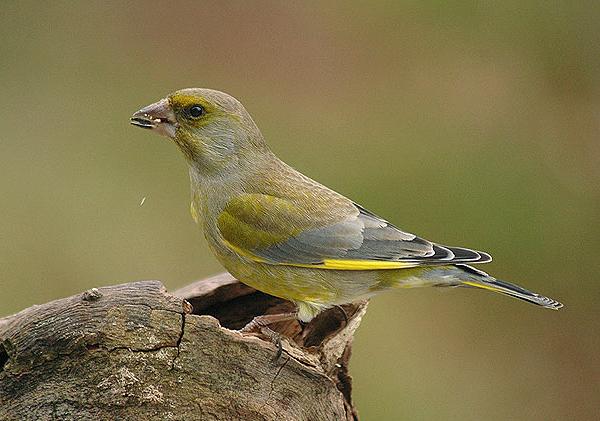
(265, 320)
(260, 324)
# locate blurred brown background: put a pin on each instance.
(469, 124)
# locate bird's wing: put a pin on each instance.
(280, 231)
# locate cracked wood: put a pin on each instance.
(133, 351)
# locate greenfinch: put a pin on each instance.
(285, 234)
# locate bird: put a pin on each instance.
(284, 234)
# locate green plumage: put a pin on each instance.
(287, 235)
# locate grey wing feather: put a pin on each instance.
(365, 236)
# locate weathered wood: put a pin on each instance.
(133, 351)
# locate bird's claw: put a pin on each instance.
(260, 324)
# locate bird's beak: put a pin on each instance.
(158, 117)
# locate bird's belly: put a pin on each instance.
(319, 286)
(290, 283)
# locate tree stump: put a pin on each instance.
(135, 352)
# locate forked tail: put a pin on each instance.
(478, 279)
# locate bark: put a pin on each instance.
(134, 351)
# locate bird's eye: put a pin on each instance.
(196, 111)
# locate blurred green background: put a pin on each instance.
(473, 124)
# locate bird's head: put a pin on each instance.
(211, 128)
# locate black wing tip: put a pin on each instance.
(465, 255)
(485, 257)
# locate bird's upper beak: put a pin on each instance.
(158, 117)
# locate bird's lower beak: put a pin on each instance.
(158, 117)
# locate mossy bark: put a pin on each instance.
(133, 351)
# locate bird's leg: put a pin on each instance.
(261, 324)
(266, 319)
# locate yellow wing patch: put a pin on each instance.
(332, 264)
(341, 264)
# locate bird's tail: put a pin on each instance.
(478, 279)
